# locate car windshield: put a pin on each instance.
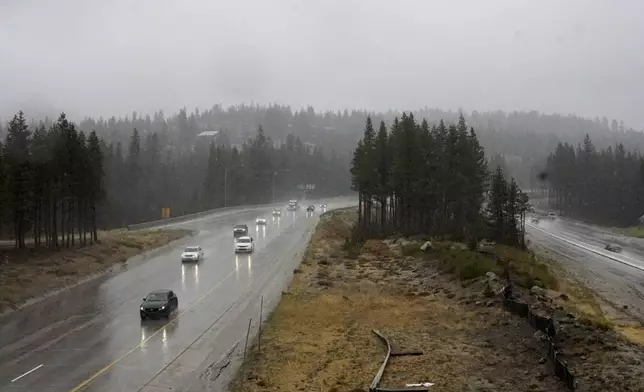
(156, 297)
(191, 249)
(244, 240)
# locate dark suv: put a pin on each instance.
(159, 303)
(310, 208)
(240, 231)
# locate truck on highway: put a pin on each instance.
(293, 205)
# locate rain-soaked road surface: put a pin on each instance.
(617, 277)
(91, 337)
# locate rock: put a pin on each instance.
(536, 290)
(489, 304)
(491, 275)
(625, 307)
(427, 245)
(542, 361)
(539, 335)
(403, 242)
(564, 297)
(478, 303)
(451, 295)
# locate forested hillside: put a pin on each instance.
(58, 183)
(524, 139)
(604, 186)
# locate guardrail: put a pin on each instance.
(188, 217)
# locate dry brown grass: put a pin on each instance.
(320, 337)
(31, 273)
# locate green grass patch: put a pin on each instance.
(600, 322)
(634, 231)
(351, 248)
(525, 268)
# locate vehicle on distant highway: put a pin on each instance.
(310, 208)
(260, 221)
(159, 303)
(240, 231)
(323, 206)
(552, 215)
(534, 219)
(293, 205)
(277, 213)
(192, 253)
(244, 244)
(613, 248)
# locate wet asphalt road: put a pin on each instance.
(91, 337)
(618, 278)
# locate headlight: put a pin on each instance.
(141, 307)
(163, 307)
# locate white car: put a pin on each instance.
(192, 253)
(244, 244)
(552, 215)
(260, 221)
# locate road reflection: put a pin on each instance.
(260, 231)
(249, 264)
(277, 220)
(159, 329)
(237, 267)
(189, 272)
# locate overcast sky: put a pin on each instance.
(109, 57)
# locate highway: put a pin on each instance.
(618, 278)
(91, 337)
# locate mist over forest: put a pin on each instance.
(214, 104)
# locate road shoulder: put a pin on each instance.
(320, 335)
(29, 275)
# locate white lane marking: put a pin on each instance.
(24, 374)
(588, 248)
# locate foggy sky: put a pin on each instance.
(98, 57)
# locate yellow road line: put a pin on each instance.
(108, 367)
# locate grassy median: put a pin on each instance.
(29, 273)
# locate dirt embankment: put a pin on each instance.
(30, 273)
(441, 302)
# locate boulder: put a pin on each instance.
(427, 245)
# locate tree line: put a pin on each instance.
(603, 186)
(416, 178)
(50, 184)
(60, 185)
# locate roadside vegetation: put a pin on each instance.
(633, 231)
(30, 273)
(319, 338)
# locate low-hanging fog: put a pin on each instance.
(103, 58)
